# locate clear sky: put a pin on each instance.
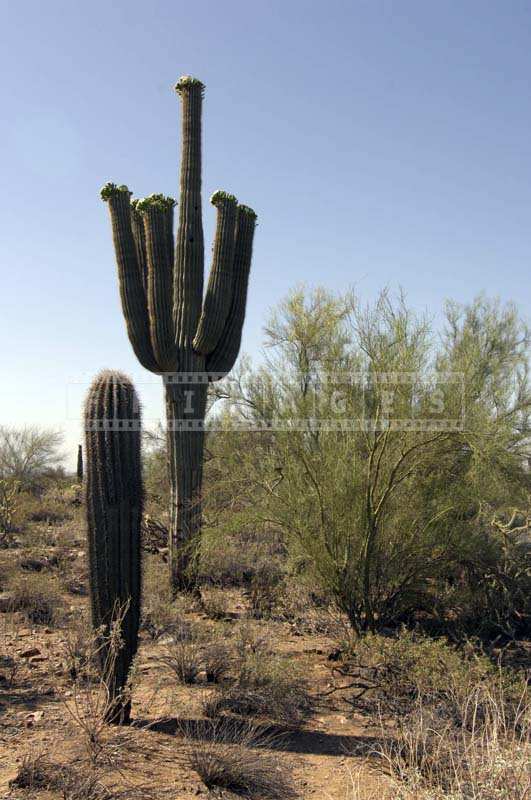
(381, 143)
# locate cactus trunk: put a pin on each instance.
(185, 405)
(174, 332)
(80, 463)
(114, 501)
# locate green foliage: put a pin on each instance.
(383, 517)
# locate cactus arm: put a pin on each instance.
(157, 214)
(114, 499)
(133, 296)
(222, 359)
(137, 226)
(189, 250)
(219, 290)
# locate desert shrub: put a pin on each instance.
(489, 595)
(215, 602)
(271, 688)
(36, 595)
(380, 515)
(390, 674)
(265, 588)
(233, 759)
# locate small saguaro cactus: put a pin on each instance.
(114, 502)
(80, 463)
(174, 331)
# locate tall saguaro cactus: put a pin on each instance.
(114, 502)
(175, 331)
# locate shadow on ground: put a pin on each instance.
(302, 741)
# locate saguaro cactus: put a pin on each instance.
(80, 463)
(173, 330)
(114, 501)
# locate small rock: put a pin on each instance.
(37, 659)
(33, 651)
(34, 564)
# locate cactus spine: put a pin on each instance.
(173, 331)
(80, 463)
(114, 500)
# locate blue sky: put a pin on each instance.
(382, 143)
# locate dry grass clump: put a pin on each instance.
(36, 595)
(233, 759)
(483, 755)
(195, 654)
(271, 688)
(251, 637)
(217, 658)
(215, 602)
(184, 658)
(37, 773)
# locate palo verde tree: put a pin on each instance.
(174, 331)
(384, 455)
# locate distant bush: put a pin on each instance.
(29, 455)
(37, 596)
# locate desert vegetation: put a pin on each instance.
(308, 660)
(312, 580)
